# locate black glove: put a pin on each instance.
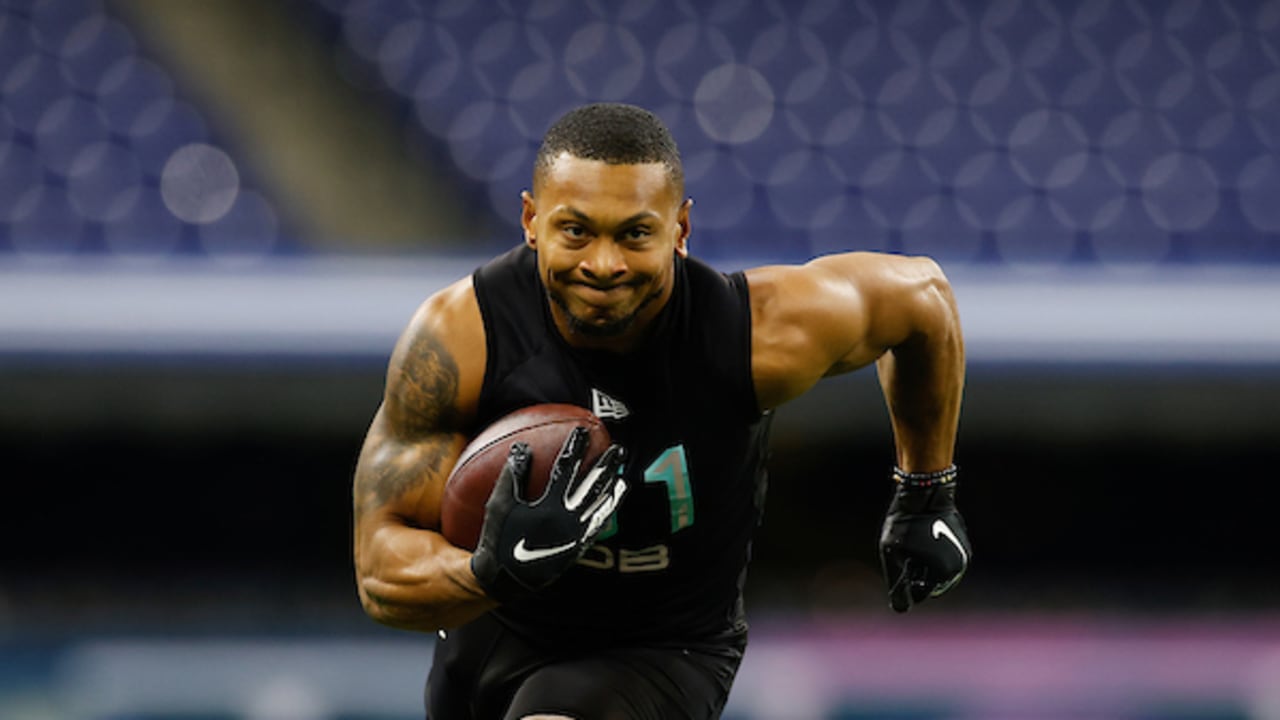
(924, 548)
(525, 544)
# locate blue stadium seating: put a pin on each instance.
(1014, 132)
(89, 128)
(1020, 131)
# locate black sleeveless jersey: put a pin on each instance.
(670, 564)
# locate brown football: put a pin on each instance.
(544, 428)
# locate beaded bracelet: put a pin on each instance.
(924, 480)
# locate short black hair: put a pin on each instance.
(615, 133)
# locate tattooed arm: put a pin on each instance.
(408, 575)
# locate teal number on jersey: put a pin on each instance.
(670, 468)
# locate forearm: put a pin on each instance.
(923, 380)
(414, 579)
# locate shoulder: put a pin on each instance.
(711, 288)
(868, 273)
(515, 268)
(437, 366)
(790, 303)
(833, 314)
(856, 281)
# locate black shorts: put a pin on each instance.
(482, 671)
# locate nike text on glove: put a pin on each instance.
(525, 544)
(924, 548)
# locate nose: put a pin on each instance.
(603, 260)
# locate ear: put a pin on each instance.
(683, 228)
(528, 215)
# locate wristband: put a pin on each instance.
(925, 480)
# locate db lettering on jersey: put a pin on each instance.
(650, 559)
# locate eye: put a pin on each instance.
(574, 233)
(636, 234)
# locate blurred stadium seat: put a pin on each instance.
(101, 155)
(1014, 132)
(1133, 141)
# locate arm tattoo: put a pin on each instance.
(394, 468)
(427, 388)
(423, 415)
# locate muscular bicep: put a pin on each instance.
(833, 315)
(420, 428)
(402, 477)
(408, 574)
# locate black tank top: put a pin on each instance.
(671, 565)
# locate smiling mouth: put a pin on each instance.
(598, 321)
(596, 292)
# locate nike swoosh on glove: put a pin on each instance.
(525, 544)
(924, 545)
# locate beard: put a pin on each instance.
(611, 328)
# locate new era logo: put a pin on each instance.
(607, 408)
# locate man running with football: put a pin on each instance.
(638, 614)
